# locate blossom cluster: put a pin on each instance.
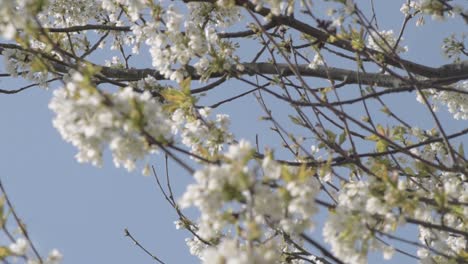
(7, 28)
(277, 7)
(90, 119)
(454, 189)
(449, 189)
(456, 102)
(385, 41)
(20, 248)
(434, 8)
(66, 13)
(350, 229)
(243, 201)
(179, 41)
(201, 134)
(17, 63)
(251, 208)
(13, 15)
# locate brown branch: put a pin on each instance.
(453, 72)
(127, 234)
(436, 226)
(104, 27)
(88, 27)
(25, 87)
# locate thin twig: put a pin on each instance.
(127, 234)
(20, 224)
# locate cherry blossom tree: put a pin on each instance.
(326, 76)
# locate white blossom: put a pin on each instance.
(85, 118)
(229, 251)
(222, 190)
(457, 103)
(202, 133)
(316, 62)
(349, 228)
(54, 257)
(384, 41)
(19, 247)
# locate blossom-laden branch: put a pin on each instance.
(368, 175)
(448, 74)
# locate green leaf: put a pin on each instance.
(385, 110)
(381, 146)
(38, 65)
(5, 252)
(185, 86)
(330, 135)
(231, 193)
(381, 130)
(326, 167)
(286, 175)
(305, 172)
(409, 171)
(295, 120)
(373, 137)
(399, 133)
(254, 232)
(342, 138)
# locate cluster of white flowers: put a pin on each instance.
(20, 248)
(18, 63)
(14, 15)
(230, 251)
(457, 103)
(407, 7)
(90, 119)
(179, 41)
(449, 243)
(245, 204)
(234, 195)
(18, 15)
(215, 187)
(66, 13)
(437, 9)
(114, 62)
(196, 247)
(199, 133)
(317, 61)
(7, 26)
(277, 7)
(449, 189)
(412, 8)
(225, 13)
(300, 207)
(452, 186)
(349, 229)
(54, 257)
(434, 8)
(434, 152)
(133, 8)
(385, 41)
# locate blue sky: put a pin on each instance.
(83, 210)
